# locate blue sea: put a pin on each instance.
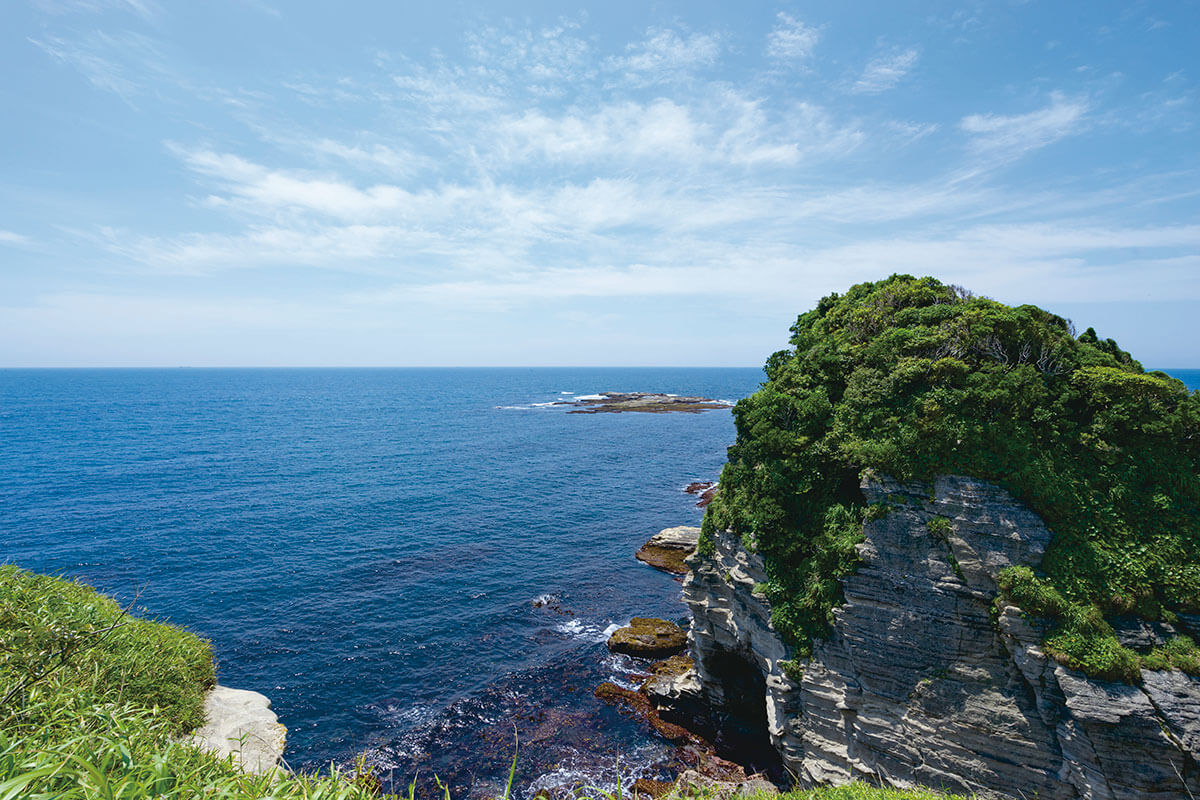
(413, 564)
(408, 562)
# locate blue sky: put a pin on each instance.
(259, 182)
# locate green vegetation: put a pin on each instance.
(94, 703)
(854, 791)
(915, 378)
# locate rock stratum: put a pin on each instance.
(928, 679)
(669, 548)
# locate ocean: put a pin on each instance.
(413, 564)
(408, 562)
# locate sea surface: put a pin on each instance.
(413, 564)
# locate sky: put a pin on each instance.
(270, 183)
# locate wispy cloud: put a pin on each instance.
(542, 58)
(886, 71)
(543, 166)
(1010, 137)
(120, 63)
(664, 57)
(144, 8)
(791, 39)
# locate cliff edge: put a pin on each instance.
(929, 677)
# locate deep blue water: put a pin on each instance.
(364, 546)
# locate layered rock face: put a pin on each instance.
(922, 682)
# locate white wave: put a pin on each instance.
(589, 397)
(566, 393)
(582, 771)
(586, 631)
(515, 408)
(543, 405)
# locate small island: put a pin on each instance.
(649, 402)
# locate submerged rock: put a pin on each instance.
(668, 548)
(923, 682)
(646, 637)
(241, 725)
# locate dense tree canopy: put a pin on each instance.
(915, 378)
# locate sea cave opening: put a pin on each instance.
(741, 722)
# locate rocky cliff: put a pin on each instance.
(926, 679)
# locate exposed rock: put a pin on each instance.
(692, 782)
(707, 490)
(668, 548)
(648, 402)
(921, 683)
(641, 706)
(675, 690)
(1142, 635)
(648, 787)
(241, 725)
(646, 637)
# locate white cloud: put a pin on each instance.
(664, 56)
(99, 71)
(724, 128)
(9, 237)
(122, 63)
(472, 185)
(629, 130)
(885, 72)
(144, 8)
(261, 190)
(791, 39)
(912, 131)
(542, 57)
(374, 156)
(1009, 137)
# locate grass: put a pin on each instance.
(857, 791)
(96, 702)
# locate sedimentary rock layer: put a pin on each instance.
(923, 682)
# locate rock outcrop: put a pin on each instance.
(647, 402)
(926, 679)
(646, 637)
(668, 549)
(240, 724)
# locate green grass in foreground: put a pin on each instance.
(859, 791)
(95, 701)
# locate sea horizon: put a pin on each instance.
(403, 559)
(398, 558)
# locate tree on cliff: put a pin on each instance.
(915, 378)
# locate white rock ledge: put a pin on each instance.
(241, 725)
